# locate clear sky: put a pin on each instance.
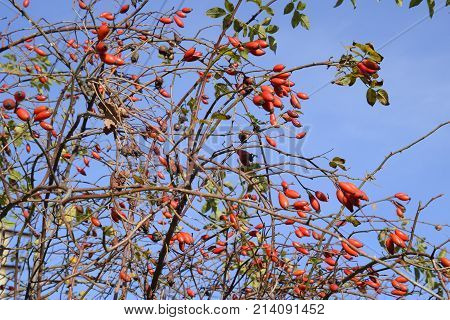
(416, 71)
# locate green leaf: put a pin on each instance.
(338, 3)
(244, 29)
(216, 12)
(3, 199)
(10, 56)
(289, 7)
(207, 122)
(295, 21)
(229, 185)
(220, 116)
(354, 4)
(138, 179)
(268, 9)
(304, 20)
(244, 54)
(253, 30)
(227, 21)
(371, 96)
(383, 97)
(273, 44)
(258, 2)
(262, 32)
(272, 29)
(429, 278)
(84, 215)
(399, 2)
(381, 237)
(301, 6)
(15, 175)
(415, 3)
(18, 142)
(347, 80)
(21, 128)
(431, 5)
(70, 214)
(229, 6)
(109, 231)
(369, 50)
(7, 224)
(353, 221)
(237, 25)
(416, 273)
(266, 21)
(338, 162)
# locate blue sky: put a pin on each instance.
(415, 70)
(416, 73)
